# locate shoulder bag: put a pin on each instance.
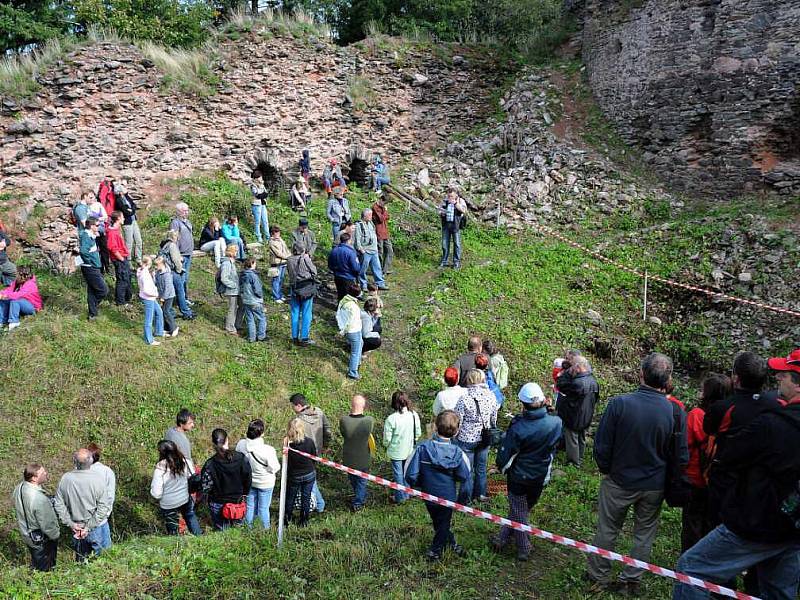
(490, 436)
(36, 535)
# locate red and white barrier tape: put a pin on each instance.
(664, 280)
(540, 533)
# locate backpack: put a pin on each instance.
(708, 451)
(165, 255)
(218, 285)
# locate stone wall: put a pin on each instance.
(709, 90)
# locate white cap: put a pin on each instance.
(558, 362)
(531, 393)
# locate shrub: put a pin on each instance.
(18, 72)
(188, 71)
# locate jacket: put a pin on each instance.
(317, 426)
(82, 497)
(305, 163)
(34, 511)
(165, 285)
(297, 465)
(116, 245)
(472, 423)
(229, 277)
(765, 463)
(632, 440)
(366, 326)
(127, 207)
(356, 432)
(300, 267)
(263, 459)
(348, 315)
(147, 287)
(171, 252)
(90, 255)
(230, 231)
(250, 288)
(529, 445)
(380, 217)
(435, 467)
(494, 388)
(343, 262)
(696, 440)
(463, 365)
(185, 235)
(105, 195)
(366, 241)
(400, 431)
(226, 480)
(338, 212)
(259, 194)
(578, 397)
(209, 235)
(170, 490)
(500, 370)
(458, 214)
(306, 238)
(278, 252)
(27, 291)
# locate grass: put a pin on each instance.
(361, 92)
(19, 72)
(192, 72)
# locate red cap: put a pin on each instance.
(790, 363)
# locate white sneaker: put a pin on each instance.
(154, 343)
(12, 326)
(280, 301)
(175, 332)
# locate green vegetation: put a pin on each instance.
(186, 71)
(18, 73)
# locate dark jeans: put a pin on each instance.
(695, 522)
(341, 287)
(475, 486)
(442, 536)
(169, 315)
(43, 556)
(102, 248)
(359, 486)
(96, 288)
(180, 295)
(371, 343)
(122, 287)
(172, 519)
(300, 485)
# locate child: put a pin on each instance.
(434, 468)
(148, 294)
(251, 292)
(497, 363)
(372, 292)
(166, 294)
(232, 235)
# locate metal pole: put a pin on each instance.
(499, 210)
(282, 505)
(646, 276)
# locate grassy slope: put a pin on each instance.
(75, 383)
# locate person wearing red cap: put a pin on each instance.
(788, 376)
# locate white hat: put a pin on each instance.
(531, 393)
(558, 362)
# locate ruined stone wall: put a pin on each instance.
(708, 89)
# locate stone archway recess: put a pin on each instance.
(359, 159)
(265, 160)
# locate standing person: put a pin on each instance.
(252, 297)
(482, 364)
(366, 244)
(301, 472)
(497, 363)
(184, 423)
(36, 518)
(477, 410)
(108, 475)
(348, 318)
(228, 286)
(694, 518)
(435, 468)
(278, 254)
(466, 362)
(81, 211)
(401, 430)
(302, 289)
(258, 204)
(578, 395)
(148, 294)
(380, 217)
(96, 288)
(166, 295)
(448, 397)
(452, 212)
(525, 457)
(130, 226)
(232, 235)
(343, 263)
(356, 429)
(264, 465)
(305, 236)
(20, 298)
(118, 253)
(170, 486)
(82, 504)
(338, 212)
(183, 226)
(349, 228)
(630, 449)
(317, 427)
(371, 338)
(225, 479)
(305, 166)
(8, 270)
(171, 253)
(97, 212)
(105, 194)
(211, 240)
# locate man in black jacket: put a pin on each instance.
(761, 516)
(578, 394)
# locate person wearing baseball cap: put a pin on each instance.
(525, 457)
(787, 372)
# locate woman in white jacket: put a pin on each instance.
(170, 486)
(148, 294)
(348, 318)
(264, 465)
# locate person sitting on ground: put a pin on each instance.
(525, 457)
(225, 479)
(348, 318)
(184, 423)
(278, 254)
(305, 166)
(482, 364)
(264, 465)
(172, 255)
(578, 396)
(21, 298)
(448, 397)
(318, 429)
(170, 486)
(166, 294)
(301, 472)
(148, 294)
(232, 235)
(343, 263)
(374, 293)
(305, 236)
(357, 447)
(211, 240)
(251, 294)
(338, 212)
(302, 289)
(466, 362)
(258, 204)
(96, 288)
(366, 244)
(130, 226)
(299, 194)
(36, 518)
(372, 339)
(497, 363)
(477, 410)
(8, 270)
(434, 468)
(380, 174)
(228, 287)
(401, 430)
(119, 253)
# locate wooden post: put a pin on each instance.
(282, 500)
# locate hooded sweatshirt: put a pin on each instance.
(317, 426)
(348, 315)
(263, 461)
(436, 466)
(226, 480)
(147, 287)
(27, 291)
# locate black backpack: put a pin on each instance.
(165, 255)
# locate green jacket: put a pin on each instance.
(30, 501)
(400, 432)
(356, 431)
(90, 255)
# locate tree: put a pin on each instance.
(25, 23)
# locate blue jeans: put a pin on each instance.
(172, 519)
(302, 485)
(260, 221)
(277, 283)
(99, 539)
(217, 519)
(398, 468)
(475, 486)
(379, 181)
(359, 486)
(239, 243)
(256, 322)
(10, 310)
(258, 502)
(301, 311)
(356, 344)
(722, 555)
(187, 266)
(318, 497)
(374, 261)
(447, 236)
(152, 310)
(180, 294)
(334, 233)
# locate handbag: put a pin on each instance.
(234, 511)
(677, 489)
(305, 289)
(490, 436)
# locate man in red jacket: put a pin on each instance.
(119, 254)
(380, 217)
(105, 194)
